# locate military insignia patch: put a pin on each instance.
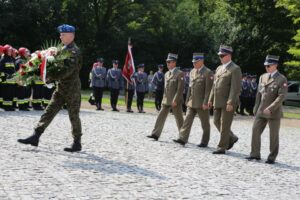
(285, 84)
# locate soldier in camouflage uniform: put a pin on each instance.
(68, 91)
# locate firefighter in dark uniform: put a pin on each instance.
(37, 94)
(23, 90)
(7, 68)
(159, 84)
(142, 87)
(115, 84)
(68, 92)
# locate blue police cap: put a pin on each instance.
(115, 61)
(160, 66)
(142, 65)
(65, 28)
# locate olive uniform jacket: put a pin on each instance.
(174, 85)
(199, 88)
(270, 94)
(227, 86)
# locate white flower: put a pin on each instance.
(50, 58)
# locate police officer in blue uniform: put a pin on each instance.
(141, 81)
(159, 84)
(130, 88)
(98, 82)
(244, 94)
(115, 84)
(252, 94)
(186, 87)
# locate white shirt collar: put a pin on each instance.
(272, 74)
(226, 64)
(172, 70)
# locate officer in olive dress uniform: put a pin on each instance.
(200, 84)
(174, 83)
(224, 97)
(271, 93)
(98, 82)
(115, 84)
(159, 83)
(68, 91)
(142, 87)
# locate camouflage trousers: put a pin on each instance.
(72, 99)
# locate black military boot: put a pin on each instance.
(32, 140)
(76, 146)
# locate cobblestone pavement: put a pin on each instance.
(119, 162)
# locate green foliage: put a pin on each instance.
(293, 66)
(254, 28)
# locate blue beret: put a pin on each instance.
(65, 28)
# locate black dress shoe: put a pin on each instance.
(270, 161)
(219, 151)
(179, 141)
(252, 158)
(202, 145)
(153, 137)
(231, 145)
(129, 111)
(116, 110)
(32, 140)
(76, 146)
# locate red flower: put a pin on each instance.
(40, 56)
(30, 64)
(23, 66)
(23, 73)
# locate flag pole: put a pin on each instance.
(127, 84)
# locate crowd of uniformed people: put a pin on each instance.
(189, 91)
(35, 95)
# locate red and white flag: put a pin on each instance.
(43, 68)
(128, 68)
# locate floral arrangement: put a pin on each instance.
(41, 65)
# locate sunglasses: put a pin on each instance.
(222, 56)
(268, 66)
(168, 62)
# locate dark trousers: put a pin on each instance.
(130, 94)
(158, 98)
(37, 95)
(140, 100)
(98, 93)
(243, 105)
(114, 94)
(183, 104)
(21, 94)
(251, 105)
(8, 94)
(47, 94)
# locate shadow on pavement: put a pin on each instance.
(95, 163)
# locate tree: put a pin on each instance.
(293, 66)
